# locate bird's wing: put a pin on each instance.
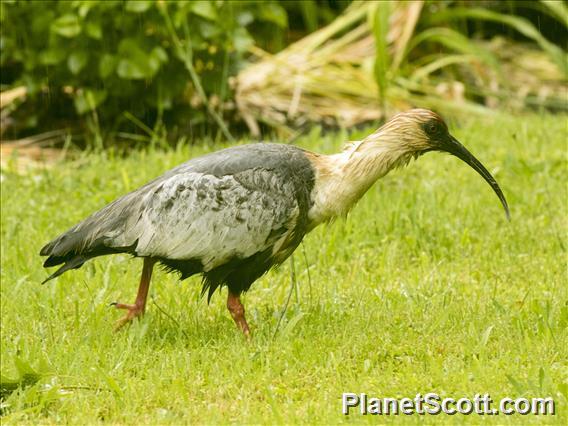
(227, 203)
(211, 219)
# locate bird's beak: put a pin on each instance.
(455, 148)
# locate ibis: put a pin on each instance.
(233, 214)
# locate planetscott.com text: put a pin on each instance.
(433, 404)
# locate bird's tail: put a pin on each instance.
(73, 263)
(71, 249)
(99, 234)
(76, 246)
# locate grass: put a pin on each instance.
(424, 288)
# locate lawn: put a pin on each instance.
(425, 287)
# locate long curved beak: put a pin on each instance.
(455, 148)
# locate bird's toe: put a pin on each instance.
(127, 306)
(134, 311)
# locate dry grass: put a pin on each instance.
(378, 58)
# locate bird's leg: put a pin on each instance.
(137, 309)
(237, 311)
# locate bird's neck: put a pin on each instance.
(343, 178)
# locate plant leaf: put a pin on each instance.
(77, 61)
(27, 376)
(67, 26)
(558, 9)
(86, 100)
(52, 56)
(486, 335)
(413, 11)
(94, 30)
(205, 9)
(380, 25)
(287, 329)
(242, 40)
(273, 12)
(454, 41)
(516, 384)
(135, 63)
(107, 65)
(309, 10)
(138, 6)
(159, 54)
(112, 384)
(522, 25)
(425, 70)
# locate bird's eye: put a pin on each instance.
(433, 128)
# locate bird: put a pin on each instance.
(233, 214)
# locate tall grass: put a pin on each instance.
(379, 57)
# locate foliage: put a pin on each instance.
(425, 287)
(27, 376)
(129, 70)
(119, 61)
(381, 57)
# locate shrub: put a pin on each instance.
(118, 65)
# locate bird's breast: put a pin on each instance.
(334, 199)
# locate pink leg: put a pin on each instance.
(237, 311)
(137, 309)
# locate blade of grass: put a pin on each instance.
(354, 13)
(454, 41)
(412, 15)
(130, 117)
(309, 10)
(424, 71)
(379, 16)
(558, 9)
(522, 25)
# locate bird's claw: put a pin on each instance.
(134, 311)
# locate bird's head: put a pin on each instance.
(418, 131)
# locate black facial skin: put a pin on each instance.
(441, 140)
(435, 129)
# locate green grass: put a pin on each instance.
(424, 288)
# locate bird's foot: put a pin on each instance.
(237, 311)
(243, 326)
(134, 311)
(246, 332)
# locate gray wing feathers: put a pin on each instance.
(196, 216)
(234, 202)
(190, 216)
(93, 233)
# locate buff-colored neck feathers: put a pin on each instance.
(343, 178)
